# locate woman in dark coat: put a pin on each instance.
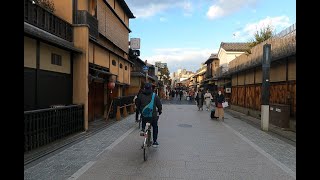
(199, 98)
(219, 110)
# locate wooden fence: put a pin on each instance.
(249, 96)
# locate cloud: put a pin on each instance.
(187, 14)
(187, 5)
(188, 9)
(162, 19)
(276, 23)
(148, 8)
(151, 10)
(215, 12)
(187, 58)
(226, 7)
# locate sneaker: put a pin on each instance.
(155, 144)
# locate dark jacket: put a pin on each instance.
(219, 99)
(145, 98)
(138, 96)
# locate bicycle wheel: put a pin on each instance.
(149, 138)
(145, 155)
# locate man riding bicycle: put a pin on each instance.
(143, 100)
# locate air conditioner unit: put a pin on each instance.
(228, 90)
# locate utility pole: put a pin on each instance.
(265, 89)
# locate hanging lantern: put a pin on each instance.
(111, 85)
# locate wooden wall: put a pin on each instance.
(249, 96)
(246, 85)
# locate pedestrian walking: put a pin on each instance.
(199, 98)
(208, 98)
(219, 108)
(135, 102)
(191, 94)
(172, 94)
(185, 94)
(180, 94)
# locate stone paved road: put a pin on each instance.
(192, 146)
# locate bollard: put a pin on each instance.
(118, 115)
(125, 113)
(132, 109)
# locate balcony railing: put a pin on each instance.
(137, 69)
(84, 17)
(44, 126)
(45, 20)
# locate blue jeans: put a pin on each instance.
(154, 124)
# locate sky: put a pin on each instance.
(184, 33)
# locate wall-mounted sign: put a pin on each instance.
(145, 68)
(135, 43)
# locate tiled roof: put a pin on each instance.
(239, 47)
(211, 58)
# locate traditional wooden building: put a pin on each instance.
(227, 52)
(138, 76)
(211, 73)
(49, 54)
(152, 77)
(75, 54)
(107, 49)
(246, 75)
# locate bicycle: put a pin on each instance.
(147, 141)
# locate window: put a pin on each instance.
(120, 65)
(114, 62)
(56, 59)
(125, 67)
(216, 64)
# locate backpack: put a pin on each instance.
(148, 109)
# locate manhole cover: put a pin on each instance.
(185, 125)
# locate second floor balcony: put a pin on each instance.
(84, 17)
(47, 21)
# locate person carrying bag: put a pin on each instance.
(219, 112)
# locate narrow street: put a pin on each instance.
(87, 64)
(191, 146)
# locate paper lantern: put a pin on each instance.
(111, 85)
